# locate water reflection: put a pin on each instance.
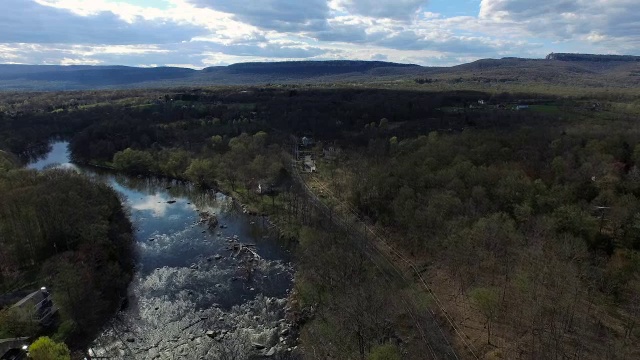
(57, 154)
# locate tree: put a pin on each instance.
(488, 301)
(46, 349)
(177, 163)
(16, 322)
(384, 124)
(133, 161)
(6, 161)
(385, 352)
(201, 171)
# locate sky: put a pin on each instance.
(203, 33)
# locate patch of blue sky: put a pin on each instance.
(451, 8)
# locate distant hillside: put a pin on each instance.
(593, 58)
(570, 73)
(314, 68)
(557, 69)
(89, 76)
(46, 77)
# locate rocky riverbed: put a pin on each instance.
(212, 280)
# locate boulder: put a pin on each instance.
(271, 352)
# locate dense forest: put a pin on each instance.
(539, 231)
(61, 230)
(520, 209)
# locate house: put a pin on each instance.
(307, 141)
(15, 354)
(481, 102)
(265, 189)
(309, 165)
(522, 107)
(13, 349)
(38, 306)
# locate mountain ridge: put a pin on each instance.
(86, 77)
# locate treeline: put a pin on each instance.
(240, 163)
(592, 57)
(64, 231)
(103, 123)
(539, 229)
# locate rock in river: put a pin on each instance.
(271, 352)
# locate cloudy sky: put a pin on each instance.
(201, 33)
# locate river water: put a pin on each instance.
(191, 297)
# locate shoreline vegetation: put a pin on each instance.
(83, 252)
(520, 209)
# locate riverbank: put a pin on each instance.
(47, 242)
(188, 281)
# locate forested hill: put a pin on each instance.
(587, 70)
(592, 58)
(47, 77)
(314, 68)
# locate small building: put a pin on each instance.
(522, 107)
(307, 141)
(309, 165)
(13, 349)
(38, 306)
(14, 354)
(481, 102)
(265, 189)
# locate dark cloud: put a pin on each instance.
(392, 9)
(351, 33)
(281, 15)
(25, 21)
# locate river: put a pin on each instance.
(191, 297)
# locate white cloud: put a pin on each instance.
(199, 33)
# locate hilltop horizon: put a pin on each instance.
(563, 69)
(550, 56)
